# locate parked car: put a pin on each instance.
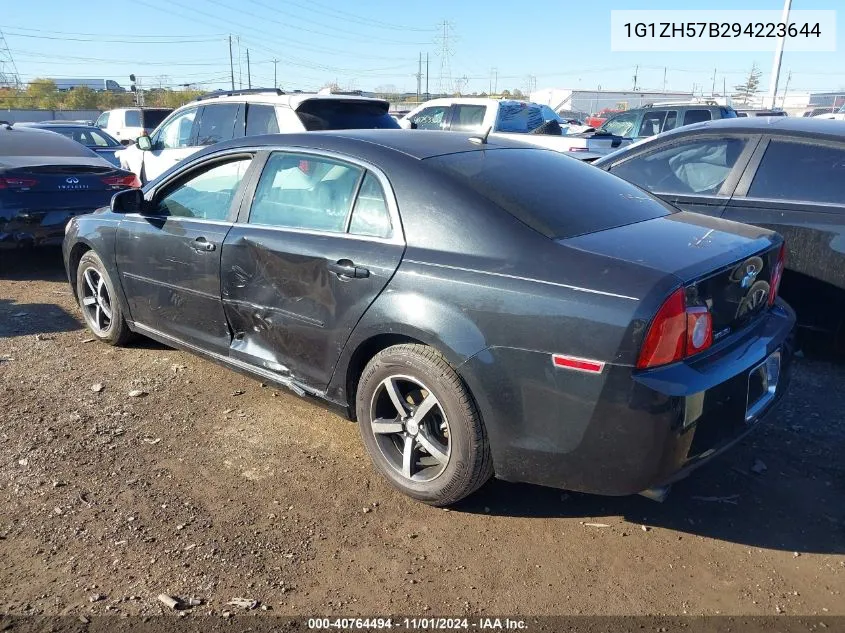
(654, 119)
(839, 115)
(508, 118)
(45, 179)
(816, 111)
(786, 174)
(98, 141)
(224, 115)
(597, 120)
(747, 113)
(480, 308)
(127, 124)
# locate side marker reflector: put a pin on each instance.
(578, 364)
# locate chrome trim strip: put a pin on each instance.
(516, 277)
(287, 313)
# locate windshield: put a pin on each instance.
(552, 193)
(345, 114)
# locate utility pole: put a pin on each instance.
(275, 80)
(713, 89)
(419, 75)
(725, 89)
(240, 66)
(636, 70)
(248, 73)
(785, 90)
(775, 76)
(427, 93)
(231, 63)
(664, 78)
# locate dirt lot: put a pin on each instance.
(215, 486)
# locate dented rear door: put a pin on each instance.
(319, 243)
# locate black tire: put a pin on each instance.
(468, 464)
(112, 330)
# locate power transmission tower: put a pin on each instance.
(443, 41)
(460, 84)
(9, 77)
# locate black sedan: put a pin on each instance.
(481, 308)
(95, 139)
(786, 174)
(45, 179)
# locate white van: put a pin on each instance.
(127, 124)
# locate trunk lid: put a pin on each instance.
(724, 265)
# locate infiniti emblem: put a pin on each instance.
(72, 181)
(751, 272)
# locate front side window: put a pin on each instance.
(103, 120)
(370, 215)
(305, 192)
(696, 116)
(652, 123)
(696, 167)
(621, 124)
(217, 123)
(133, 118)
(176, 133)
(207, 195)
(801, 172)
(430, 118)
(468, 118)
(261, 119)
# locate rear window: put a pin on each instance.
(345, 114)
(152, 118)
(30, 142)
(554, 194)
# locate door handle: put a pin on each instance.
(202, 245)
(345, 268)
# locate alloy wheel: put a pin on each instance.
(410, 428)
(96, 302)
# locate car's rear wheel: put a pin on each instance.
(99, 302)
(420, 425)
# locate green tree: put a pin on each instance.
(42, 94)
(744, 92)
(517, 94)
(81, 98)
(506, 94)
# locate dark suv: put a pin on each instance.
(656, 118)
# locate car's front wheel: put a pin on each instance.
(420, 425)
(99, 302)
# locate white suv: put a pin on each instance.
(225, 115)
(127, 124)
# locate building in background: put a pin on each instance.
(592, 101)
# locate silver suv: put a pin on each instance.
(224, 115)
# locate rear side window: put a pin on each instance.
(261, 119)
(344, 114)
(468, 118)
(133, 118)
(152, 118)
(801, 171)
(305, 192)
(695, 167)
(696, 116)
(553, 194)
(217, 123)
(370, 215)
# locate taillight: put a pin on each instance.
(777, 275)
(120, 182)
(676, 332)
(17, 183)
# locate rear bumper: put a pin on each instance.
(625, 430)
(36, 228)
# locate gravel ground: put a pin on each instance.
(208, 484)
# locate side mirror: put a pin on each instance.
(127, 201)
(144, 143)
